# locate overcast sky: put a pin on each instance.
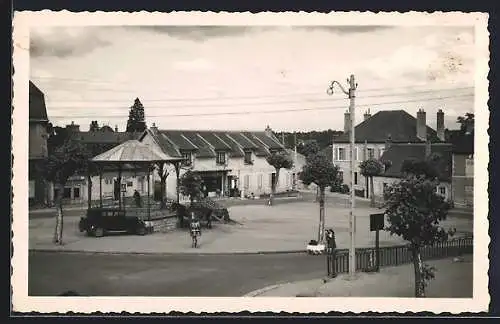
(200, 73)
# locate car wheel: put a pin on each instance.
(141, 230)
(98, 232)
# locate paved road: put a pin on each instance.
(165, 275)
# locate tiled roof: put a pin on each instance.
(215, 141)
(167, 145)
(104, 137)
(205, 143)
(270, 141)
(243, 141)
(204, 149)
(37, 108)
(400, 125)
(236, 150)
(179, 140)
(133, 151)
(398, 153)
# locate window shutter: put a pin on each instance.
(335, 154)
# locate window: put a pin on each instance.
(341, 154)
(247, 181)
(355, 178)
(76, 192)
(259, 181)
(371, 152)
(187, 158)
(129, 183)
(442, 191)
(67, 193)
(248, 157)
(341, 175)
(221, 157)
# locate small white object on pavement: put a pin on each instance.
(316, 249)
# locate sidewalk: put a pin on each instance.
(281, 228)
(452, 280)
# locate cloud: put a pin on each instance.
(344, 29)
(65, 42)
(174, 68)
(200, 33)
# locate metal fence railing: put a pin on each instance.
(397, 255)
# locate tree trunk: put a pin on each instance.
(321, 229)
(177, 180)
(273, 187)
(58, 232)
(372, 193)
(418, 267)
(163, 180)
(367, 189)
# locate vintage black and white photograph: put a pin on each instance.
(250, 158)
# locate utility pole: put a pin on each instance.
(295, 160)
(351, 93)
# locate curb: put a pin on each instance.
(261, 291)
(165, 253)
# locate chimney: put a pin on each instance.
(116, 128)
(421, 125)
(367, 115)
(347, 122)
(73, 127)
(153, 127)
(388, 142)
(440, 125)
(269, 131)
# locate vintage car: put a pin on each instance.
(100, 221)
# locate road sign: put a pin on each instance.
(376, 222)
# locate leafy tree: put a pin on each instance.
(63, 162)
(414, 211)
(163, 174)
(370, 168)
(190, 185)
(136, 122)
(278, 160)
(57, 136)
(427, 168)
(310, 149)
(466, 122)
(322, 172)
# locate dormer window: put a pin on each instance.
(221, 158)
(188, 158)
(248, 157)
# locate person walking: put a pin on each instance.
(194, 229)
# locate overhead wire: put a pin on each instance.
(266, 111)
